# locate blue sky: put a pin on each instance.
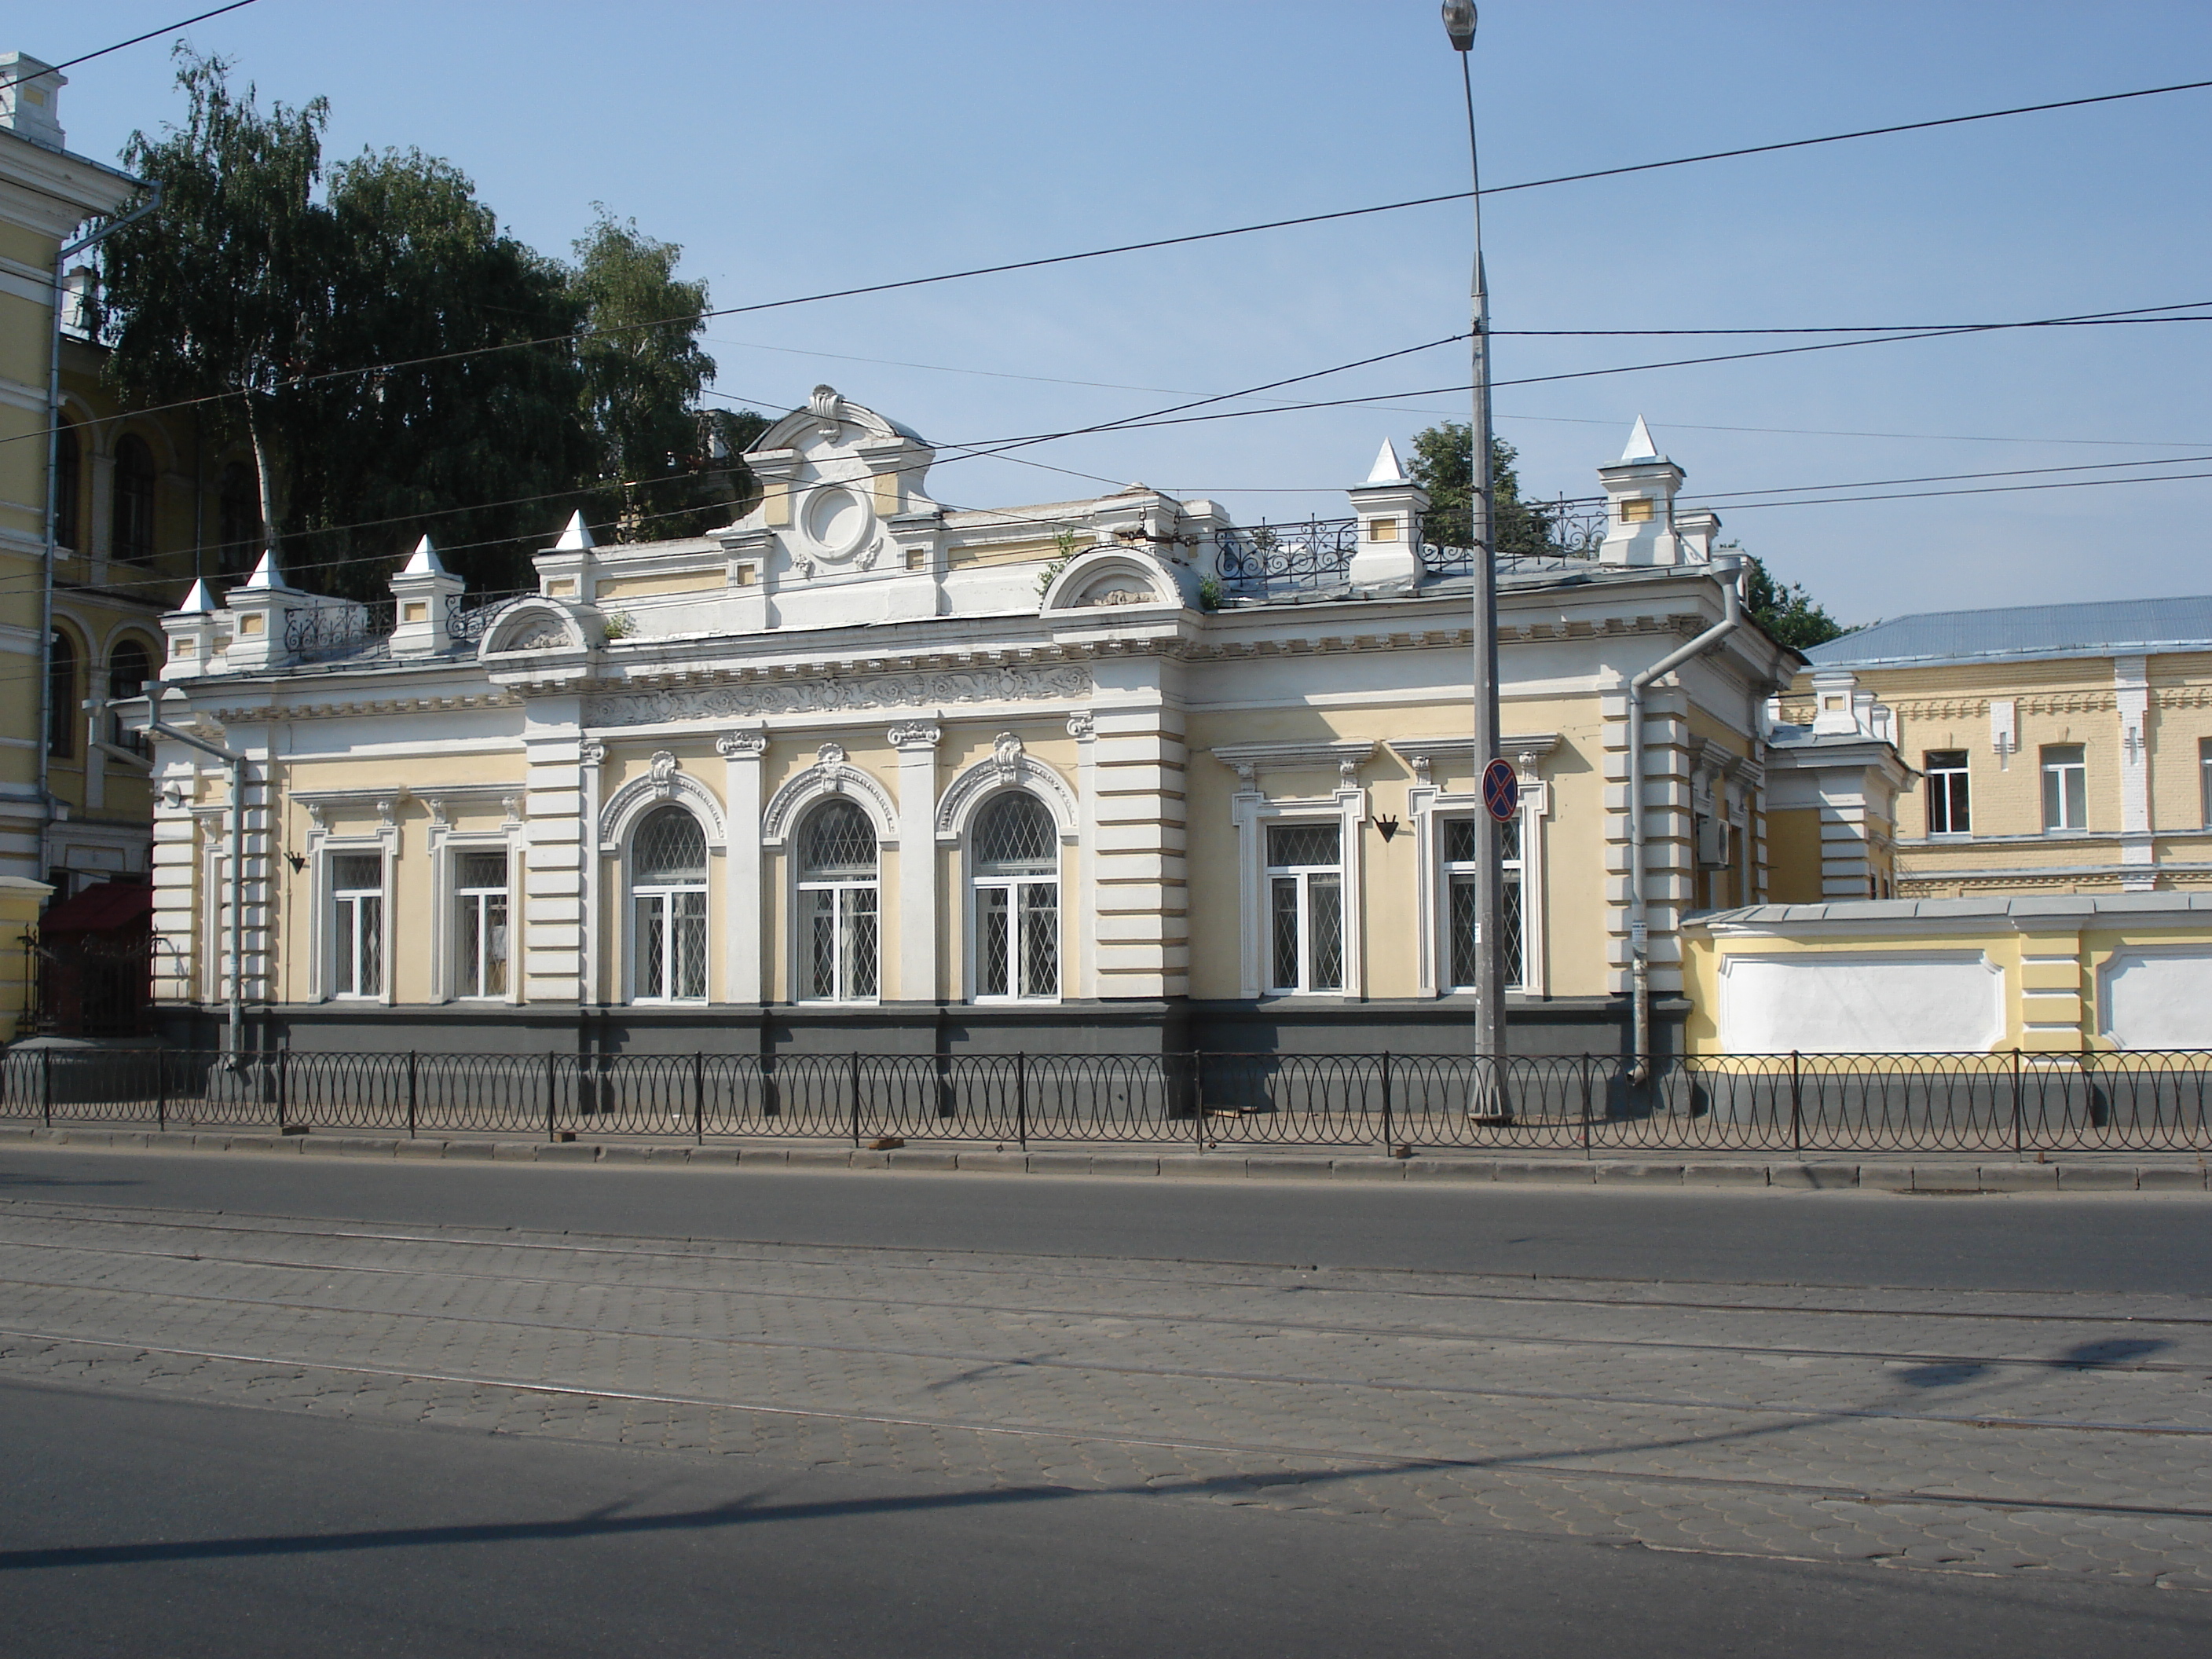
(795, 148)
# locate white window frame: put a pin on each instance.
(2047, 770)
(2204, 776)
(1514, 872)
(460, 898)
(630, 925)
(446, 845)
(802, 919)
(1426, 808)
(1301, 877)
(323, 845)
(978, 884)
(1963, 771)
(1251, 810)
(342, 941)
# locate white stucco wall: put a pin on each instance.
(2158, 997)
(1861, 1002)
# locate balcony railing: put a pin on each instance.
(1268, 559)
(347, 629)
(473, 612)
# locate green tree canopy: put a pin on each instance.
(1786, 610)
(1442, 465)
(643, 375)
(222, 293)
(371, 345)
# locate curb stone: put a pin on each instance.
(2010, 1177)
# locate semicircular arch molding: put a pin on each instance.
(996, 772)
(1111, 576)
(825, 779)
(534, 624)
(630, 803)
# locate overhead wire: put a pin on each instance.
(1150, 245)
(71, 63)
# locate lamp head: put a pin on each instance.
(1459, 23)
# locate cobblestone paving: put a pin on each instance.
(1979, 1432)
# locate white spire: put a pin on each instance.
(266, 574)
(1640, 446)
(425, 561)
(576, 538)
(198, 602)
(1389, 470)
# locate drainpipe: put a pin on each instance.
(1726, 569)
(62, 257)
(237, 764)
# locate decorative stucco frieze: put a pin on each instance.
(832, 696)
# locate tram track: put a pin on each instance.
(1014, 1362)
(1085, 1269)
(1376, 1459)
(1416, 1333)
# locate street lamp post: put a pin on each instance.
(1489, 890)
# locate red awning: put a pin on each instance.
(113, 907)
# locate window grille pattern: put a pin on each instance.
(840, 841)
(1461, 872)
(1290, 844)
(481, 937)
(671, 849)
(668, 878)
(841, 941)
(1015, 836)
(358, 924)
(1017, 863)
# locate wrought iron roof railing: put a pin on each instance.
(347, 629)
(472, 613)
(1288, 558)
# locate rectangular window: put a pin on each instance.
(358, 924)
(1949, 812)
(2204, 771)
(480, 932)
(2065, 787)
(1461, 872)
(1305, 907)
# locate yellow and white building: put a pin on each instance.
(1990, 830)
(127, 519)
(864, 771)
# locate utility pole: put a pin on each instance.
(1489, 892)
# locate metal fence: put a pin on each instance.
(1988, 1103)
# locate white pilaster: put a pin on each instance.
(744, 920)
(917, 807)
(1084, 729)
(2138, 851)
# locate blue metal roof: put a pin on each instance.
(2113, 628)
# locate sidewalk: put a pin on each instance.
(1947, 1173)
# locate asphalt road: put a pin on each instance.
(1987, 1241)
(143, 1526)
(137, 1521)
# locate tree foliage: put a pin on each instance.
(1786, 610)
(1442, 465)
(643, 373)
(371, 345)
(222, 294)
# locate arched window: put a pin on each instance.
(1016, 876)
(61, 698)
(134, 498)
(238, 517)
(668, 909)
(129, 668)
(837, 913)
(68, 483)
